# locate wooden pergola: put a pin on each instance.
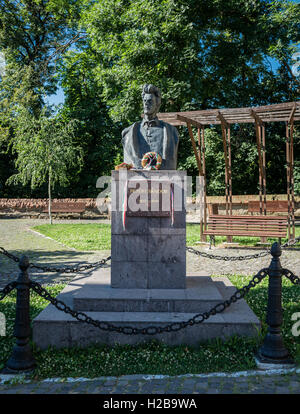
(288, 113)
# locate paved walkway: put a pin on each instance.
(187, 384)
(18, 239)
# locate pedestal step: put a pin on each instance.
(54, 327)
(60, 330)
(201, 294)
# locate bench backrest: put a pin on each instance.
(247, 224)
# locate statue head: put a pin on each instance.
(151, 100)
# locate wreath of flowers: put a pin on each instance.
(148, 160)
(124, 166)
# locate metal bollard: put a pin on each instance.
(273, 350)
(21, 359)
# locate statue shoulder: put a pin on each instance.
(171, 128)
(129, 129)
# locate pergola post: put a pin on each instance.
(190, 122)
(203, 217)
(288, 112)
(204, 182)
(229, 169)
(227, 154)
(200, 163)
(263, 131)
(261, 149)
(290, 173)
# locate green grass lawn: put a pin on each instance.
(96, 236)
(233, 355)
(79, 236)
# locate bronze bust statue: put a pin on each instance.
(151, 134)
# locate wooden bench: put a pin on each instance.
(274, 206)
(252, 226)
(66, 207)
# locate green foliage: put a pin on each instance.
(44, 147)
(30, 35)
(201, 54)
(285, 22)
(98, 136)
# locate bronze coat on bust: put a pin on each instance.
(159, 137)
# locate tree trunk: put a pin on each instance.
(49, 196)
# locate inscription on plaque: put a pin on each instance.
(149, 198)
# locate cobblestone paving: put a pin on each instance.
(138, 384)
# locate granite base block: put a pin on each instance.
(147, 275)
(54, 327)
(148, 251)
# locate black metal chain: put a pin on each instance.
(291, 242)
(9, 255)
(70, 269)
(7, 289)
(65, 269)
(150, 330)
(290, 275)
(79, 268)
(246, 257)
(228, 258)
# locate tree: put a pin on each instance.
(97, 134)
(200, 53)
(285, 19)
(45, 151)
(32, 35)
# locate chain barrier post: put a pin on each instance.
(21, 359)
(273, 350)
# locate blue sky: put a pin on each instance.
(56, 99)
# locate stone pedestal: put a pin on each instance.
(148, 246)
(147, 284)
(142, 308)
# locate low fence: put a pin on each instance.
(38, 208)
(272, 350)
(19, 207)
